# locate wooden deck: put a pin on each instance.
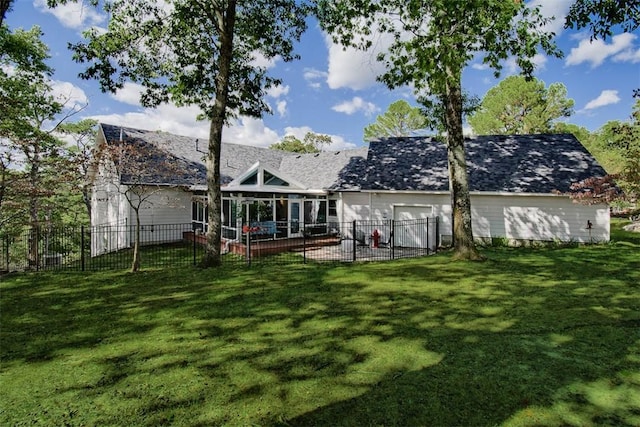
(260, 248)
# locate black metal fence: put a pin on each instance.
(170, 245)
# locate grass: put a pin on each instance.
(530, 337)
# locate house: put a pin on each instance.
(516, 185)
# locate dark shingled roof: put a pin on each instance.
(502, 163)
(516, 163)
(316, 171)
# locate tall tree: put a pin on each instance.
(400, 119)
(79, 154)
(313, 143)
(624, 138)
(433, 41)
(5, 6)
(601, 15)
(195, 52)
(26, 104)
(518, 105)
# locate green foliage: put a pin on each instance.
(400, 119)
(37, 156)
(581, 133)
(292, 144)
(174, 51)
(201, 53)
(531, 337)
(601, 15)
(433, 42)
(518, 105)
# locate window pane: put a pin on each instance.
(251, 179)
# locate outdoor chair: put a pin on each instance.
(386, 243)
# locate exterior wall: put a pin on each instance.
(113, 219)
(108, 204)
(166, 206)
(517, 217)
(534, 218)
(354, 206)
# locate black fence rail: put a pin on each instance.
(173, 245)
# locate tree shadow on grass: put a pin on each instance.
(406, 343)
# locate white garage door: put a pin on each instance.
(410, 233)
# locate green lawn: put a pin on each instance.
(530, 337)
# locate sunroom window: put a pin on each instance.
(271, 179)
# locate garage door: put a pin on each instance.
(410, 231)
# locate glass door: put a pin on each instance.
(294, 218)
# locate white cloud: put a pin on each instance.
(606, 97)
(479, 66)
(311, 75)
(597, 51)
(629, 55)
(354, 105)
(539, 61)
(278, 91)
(68, 94)
(250, 131)
(129, 94)
(182, 121)
(261, 61)
(352, 68)
(281, 107)
(557, 9)
(75, 15)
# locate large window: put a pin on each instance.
(199, 214)
(315, 211)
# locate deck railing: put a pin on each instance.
(172, 245)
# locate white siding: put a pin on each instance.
(355, 206)
(542, 218)
(519, 217)
(166, 206)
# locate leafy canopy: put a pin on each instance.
(433, 41)
(400, 119)
(601, 15)
(172, 49)
(313, 143)
(521, 106)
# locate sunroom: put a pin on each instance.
(270, 205)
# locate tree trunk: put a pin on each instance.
(226, 21)
(86, 198)
(34, 184)
(463, 244)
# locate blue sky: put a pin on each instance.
(334, 92)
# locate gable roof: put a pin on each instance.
(539, 164)
(499, 163)
(315, 171)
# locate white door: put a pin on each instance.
(410, 233)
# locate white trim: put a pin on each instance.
(259, 169)
(473, 193)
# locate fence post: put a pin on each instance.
(248, 246)
(428, 241)
(392, 241)
(437, 233)
(82, 259)
(304, 240)
(355, 242)
(37, 247)
(193, 230)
